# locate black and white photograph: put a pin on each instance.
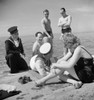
(46, 49)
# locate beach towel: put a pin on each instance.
(7, 91)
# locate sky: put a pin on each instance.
(27, 15)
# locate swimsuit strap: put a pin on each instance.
(86, 51)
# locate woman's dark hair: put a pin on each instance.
(36, 34)
(63, 9)
(71, 41)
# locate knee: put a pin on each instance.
(53, 72)
(42, 72)
(56, 71)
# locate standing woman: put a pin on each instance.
(14, 51)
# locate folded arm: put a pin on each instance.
(66, 57)
(71, 62)
(65, 23)
(68, 23)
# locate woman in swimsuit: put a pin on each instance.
(78, 62)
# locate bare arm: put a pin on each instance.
(71, 62)
(50, 25)
(51, 30)
(68, 22)
(44, 28)
(60, 23)
(40, 66)
(66, 57)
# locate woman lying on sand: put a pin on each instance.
(78, 62)
(40, 62)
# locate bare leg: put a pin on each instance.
(59, 72)
(52, 74)
(67, 78)
(76, 84)
(55, 73)
(41, 71)
(72, 73)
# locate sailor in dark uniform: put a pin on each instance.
(14, 51)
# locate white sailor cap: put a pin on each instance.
(45, 48)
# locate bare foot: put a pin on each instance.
(78, 85)
(39, 84)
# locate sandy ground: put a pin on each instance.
(53, 90)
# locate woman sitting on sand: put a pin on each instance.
(78, 62)
(39, 62)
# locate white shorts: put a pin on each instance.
(32, 62)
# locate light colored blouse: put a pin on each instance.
(64, 22)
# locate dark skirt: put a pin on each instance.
(84, 70)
